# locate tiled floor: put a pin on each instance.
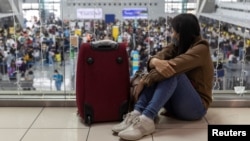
(63, 124)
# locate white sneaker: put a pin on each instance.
(125, 123)
(138, 129)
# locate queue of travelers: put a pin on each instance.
(51, 43)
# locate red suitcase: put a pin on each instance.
(102, 81)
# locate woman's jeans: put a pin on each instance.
(176, 94)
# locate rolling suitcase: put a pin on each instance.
(102, 81)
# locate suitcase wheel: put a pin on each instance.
(88, 120)
(88, 114)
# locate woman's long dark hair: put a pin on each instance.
(187, 25)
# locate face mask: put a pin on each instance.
(175, 41)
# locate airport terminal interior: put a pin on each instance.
(40, 39)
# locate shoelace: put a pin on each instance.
(127, 117)
(136, 120)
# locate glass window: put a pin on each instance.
(35, 5)
(228, 37)
(26, 6)
(58, 1)
(228, 0)
(173, 1)
(173, 7)
(191, 5)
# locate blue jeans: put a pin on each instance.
(176, 94)
(51, 61)
(241, 52)
(58, 85)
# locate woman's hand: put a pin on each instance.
(164, 67)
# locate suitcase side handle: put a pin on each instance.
(104, 45)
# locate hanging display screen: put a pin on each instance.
(89, 13)
(135, 13)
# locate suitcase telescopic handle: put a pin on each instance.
(104, 45)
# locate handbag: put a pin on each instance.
(149, 78)
(134, 81)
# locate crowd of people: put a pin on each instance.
(180, 51)
(21, 50)
(229, 44)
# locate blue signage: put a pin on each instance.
(131, 13)
(135, 61)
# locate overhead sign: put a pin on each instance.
(132, 13)
(109, 18)
(89, 13)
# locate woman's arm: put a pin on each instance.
(164, 67)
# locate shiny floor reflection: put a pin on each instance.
(63, 124)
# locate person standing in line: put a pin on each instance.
(58, 80)
(186, 90)
(12, 71)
